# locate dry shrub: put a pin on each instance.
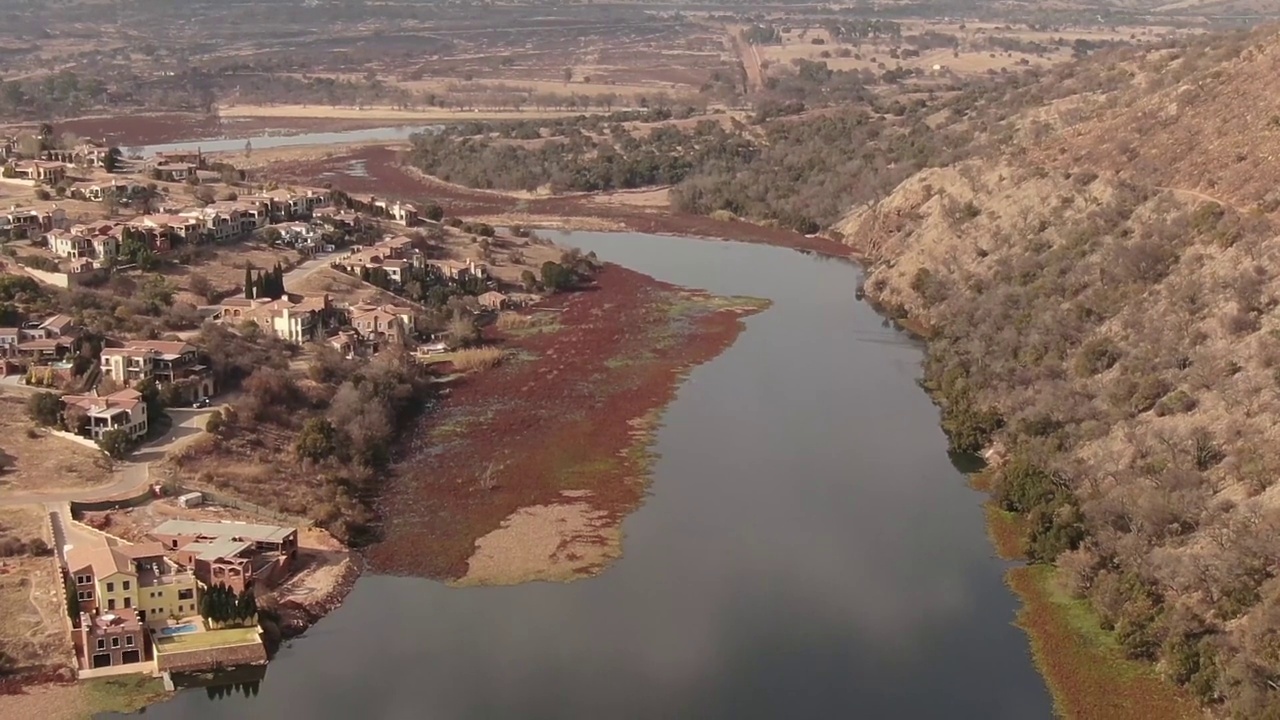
(518, 321)
(473, 359)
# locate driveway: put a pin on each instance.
(133, 475)
(304, 270)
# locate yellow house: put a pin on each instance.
(134, 577)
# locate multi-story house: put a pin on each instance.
(111, 639)
(67, 244)
(123, 410)
(238, 555)
(168, 363)
(382, 326)
(137, 578)
(28, 223)
(299, 322)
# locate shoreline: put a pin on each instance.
(565, 464)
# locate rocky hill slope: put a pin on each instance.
(1102, 289)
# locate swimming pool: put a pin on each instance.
(177, 630)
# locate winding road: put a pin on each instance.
(131, 476)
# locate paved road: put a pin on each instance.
(133, 475)
(304, 270)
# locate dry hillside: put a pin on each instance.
(1102, 293)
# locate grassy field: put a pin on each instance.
(207, 639)
(1086, 670)
(40, 461)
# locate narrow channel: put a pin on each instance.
(807, 551)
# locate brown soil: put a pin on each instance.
(387, 178)
(45, 461)
(563, 422)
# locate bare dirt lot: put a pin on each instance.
(32, 633)
(36, 460)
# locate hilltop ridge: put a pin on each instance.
(1102, 288)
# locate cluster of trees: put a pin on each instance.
(223, 606)
(800, 173)
(340, 425)
(579, 163)
(264, 285)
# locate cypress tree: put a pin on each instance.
(248, 283)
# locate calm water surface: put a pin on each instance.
(807, 551)
(263, 142)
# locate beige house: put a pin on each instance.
(66, 244)
(493, 300)
(49, 171)
(296, 321)
(123, 410)
(168, 363)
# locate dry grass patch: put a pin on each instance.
(343, 288)
(34, 459)
(386, 113)
(476, 359)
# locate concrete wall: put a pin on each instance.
(58, 279)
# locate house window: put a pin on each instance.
(102, 643)
(111, 603)
(126, 584)
(128, 641)
(111, 587)
(128, 602)
(186, 594)
(84, 595)
(115, 642)
(84, 579)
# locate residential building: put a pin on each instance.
(460, 270)
(40, 171)
(9, 339)
(120, 410)
(292, 204)
(98, 191)
(111, 639)
(189, 157)
(380, 326)
(140, 578)
(67, 244)
(337, 219)
(30, 222)
(401, 212)
(172, 171)
(296, 320)
(168, 363)
(105, 247)
(87, 154)
(238, 555)
(42, 350)
(493, 300)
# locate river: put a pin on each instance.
(263, 142)
(807, 551)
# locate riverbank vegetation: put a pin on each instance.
(1117, 349)
(314, 446)
(553, 472)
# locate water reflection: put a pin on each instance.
(808, 550)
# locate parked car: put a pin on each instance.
(201, 403)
